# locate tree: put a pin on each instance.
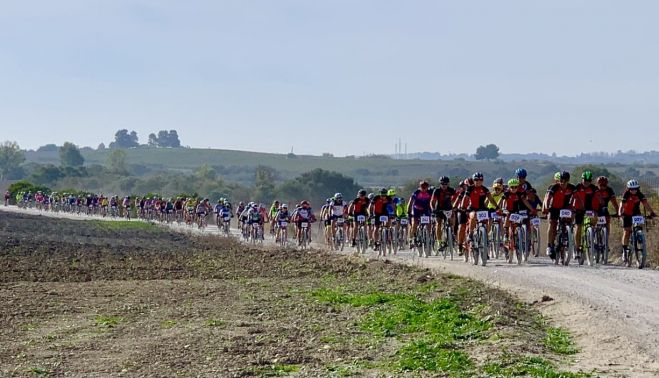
(101, 147)
(489, 152)
(116, 162)
(206, 172)
(122, 139)
(48, 148)
(70, 156)
(264, 184)
(317, 185)
(11, 158)
(153, 140)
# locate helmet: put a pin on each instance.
(362, 192)
(371, 196)
(391, 192)
(477, 176)
(468, 181)
(513, 182)
(565, 175)
(497, 185)
(602, 180)
(284, 206)
(241, 203)
(275, 202)
(305, 202)
(557, 176)
(633, 184)
(219, 202)
(328, 200)
(383, 191)
(497, 181)
(520, 173)
(423, 183)
(444, 180)
(587, 176)
(338, 195)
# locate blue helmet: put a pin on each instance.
(520, 172)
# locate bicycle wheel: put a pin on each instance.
(519, 247)
(484, 245)
(591, 246)
(394, 240)
(640, 249)
(450, 242)
(604, 245)
(496, 240)
(535, 235)
(342, 239)
(569, 251)
(361, 240)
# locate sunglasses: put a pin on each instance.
(478, 180)
(443, 184)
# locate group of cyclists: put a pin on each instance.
(433, 219)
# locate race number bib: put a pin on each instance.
(565, 213)
(361, 218)
(482, 215)
(535, 222)
(384, 218)
(495, 216)
(404, 222)
(425, 219)
(448, 213)
(601, 220)
(590, 213)
(517, 218)
(304, 224)
(339, 221)
(638, 219)
(226, 219)
(283, 224)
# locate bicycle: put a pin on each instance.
(361, 237)
(564, 238)
(256, 233)
(637, 242)
(534, 242)
(423, 236)
(403, 232)
(588, 239)
(479, 242)
(304, 234)
(339, 235)
(448, 239)
(496, 236)
(283, 234)
(518, 241)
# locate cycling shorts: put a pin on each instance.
(463, 217)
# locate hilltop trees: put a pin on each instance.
(317, 185)
(489, 152)
(164, 139)
(70, 156)
(122, 139)
(11, 158)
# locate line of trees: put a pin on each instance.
(165, 139)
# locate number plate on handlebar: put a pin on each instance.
(384, 218)
(590, 213)
(601, 220)
(482, 215)
(517, 218)
(361, 218)
(339, 221)
(638, 219)
(448, 213)
(535, 221)
(404, 222)
(283, 224)
(425, 219)
(227, 219)
(565, 213)
(495, 216)
(304, 224)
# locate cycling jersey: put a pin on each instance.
(512, 201)
(631, 203)
(477, 196)
(561, 198)
(336, 209)
(401, 210)
(381, 205)
(360, 205)
(443, 197)
(420, 201)
(586, 196)
(603, 197)
(497, 197)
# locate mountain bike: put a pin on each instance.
(496, 236)
(637, 242)
(303, 242)
(423, 236)
(564, 238)
(518, 242)
(226, 223)
(534, 242)
(403, 232)
(588, 239)
(256, 233)
(448, 239)
(283, 234)
(479, 242)
(361, 239)
(339, 235)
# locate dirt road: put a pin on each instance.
(613, 312)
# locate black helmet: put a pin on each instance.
(362, 192)
(444, 180)
(565, 175)
(477, 176)
(383, 191)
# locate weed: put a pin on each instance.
(559, 341)
(39, 372)
(107, 321)
(120, 225)
(428, 355)
(167, 324)
(343, 370)
(276, 370)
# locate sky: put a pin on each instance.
(344, 77)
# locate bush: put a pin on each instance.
(26, 186)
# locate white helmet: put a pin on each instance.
(633, 184)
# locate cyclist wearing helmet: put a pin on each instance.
(274, 208)
(524, 185)
(441, 201)
(559, 197)
(303, 214)
(630, 206)
(325, 217)
(514, 202)
(337, 210)
(604, 195)
(280, 217)
(358, 206)
(461, 212)
(474, 199)
(418, 205)
(585, 202)
(381, 205)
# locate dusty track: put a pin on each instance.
(612, 311)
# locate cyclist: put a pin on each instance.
(274, 208)
(497, 195)
(461, 212)
(337, 210)
(417, 206)
(303, 214)
(358, 206)
(7, 195)
(630, 206)
(603, 196)
(441, 200)
(559, 197)
(282, 215)
(474, 199)
(513, 201)
(524, 185)
(585, 202)
(325, 217)
(380, 206)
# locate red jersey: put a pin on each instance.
(477, 196)
(586, 196)
(561, 198)
(631, 203)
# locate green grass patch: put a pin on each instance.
(433, 356)
(39, 372)
(527, 366)
(276, 370)
(338, 370)
(107, 321)
(167, 324)
(214, 323)
(356, 300)
(559, 341)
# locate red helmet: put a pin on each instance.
(602, 180)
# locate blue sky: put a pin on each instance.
(347, 77)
